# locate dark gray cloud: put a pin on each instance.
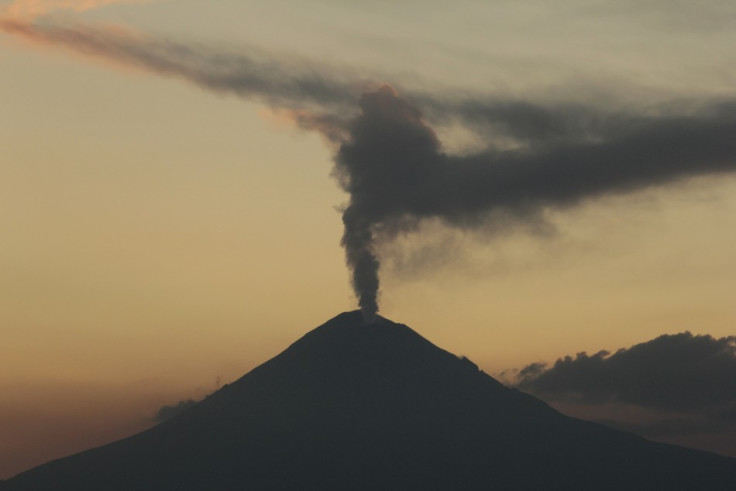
(397, 174)
(678, 389)
(679, 372)
(393, 165)
(524, 123)
(169, 411)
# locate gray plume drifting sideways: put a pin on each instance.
(396, 173)
(391, 162)
(283, 82)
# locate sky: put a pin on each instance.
(174, 175)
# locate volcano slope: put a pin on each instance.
(355, 406)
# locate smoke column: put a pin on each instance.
(390, 161)
(378, 168)
(396, 174)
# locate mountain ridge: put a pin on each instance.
(352, 405)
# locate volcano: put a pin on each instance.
(354, 406)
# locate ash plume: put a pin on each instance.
(280, 83)
(397, 174)
(392, 164)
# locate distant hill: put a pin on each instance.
(352, 406)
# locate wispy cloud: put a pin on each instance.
(29, 10)
(280, 83)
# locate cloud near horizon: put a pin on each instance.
(169, 411)
(676, 388)
(679, 372)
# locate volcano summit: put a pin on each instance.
(376, 406)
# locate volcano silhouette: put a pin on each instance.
(353, 406)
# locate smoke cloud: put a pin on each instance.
(281, 83)
(397, 174)
(391, 162)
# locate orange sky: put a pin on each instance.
(158, 237)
